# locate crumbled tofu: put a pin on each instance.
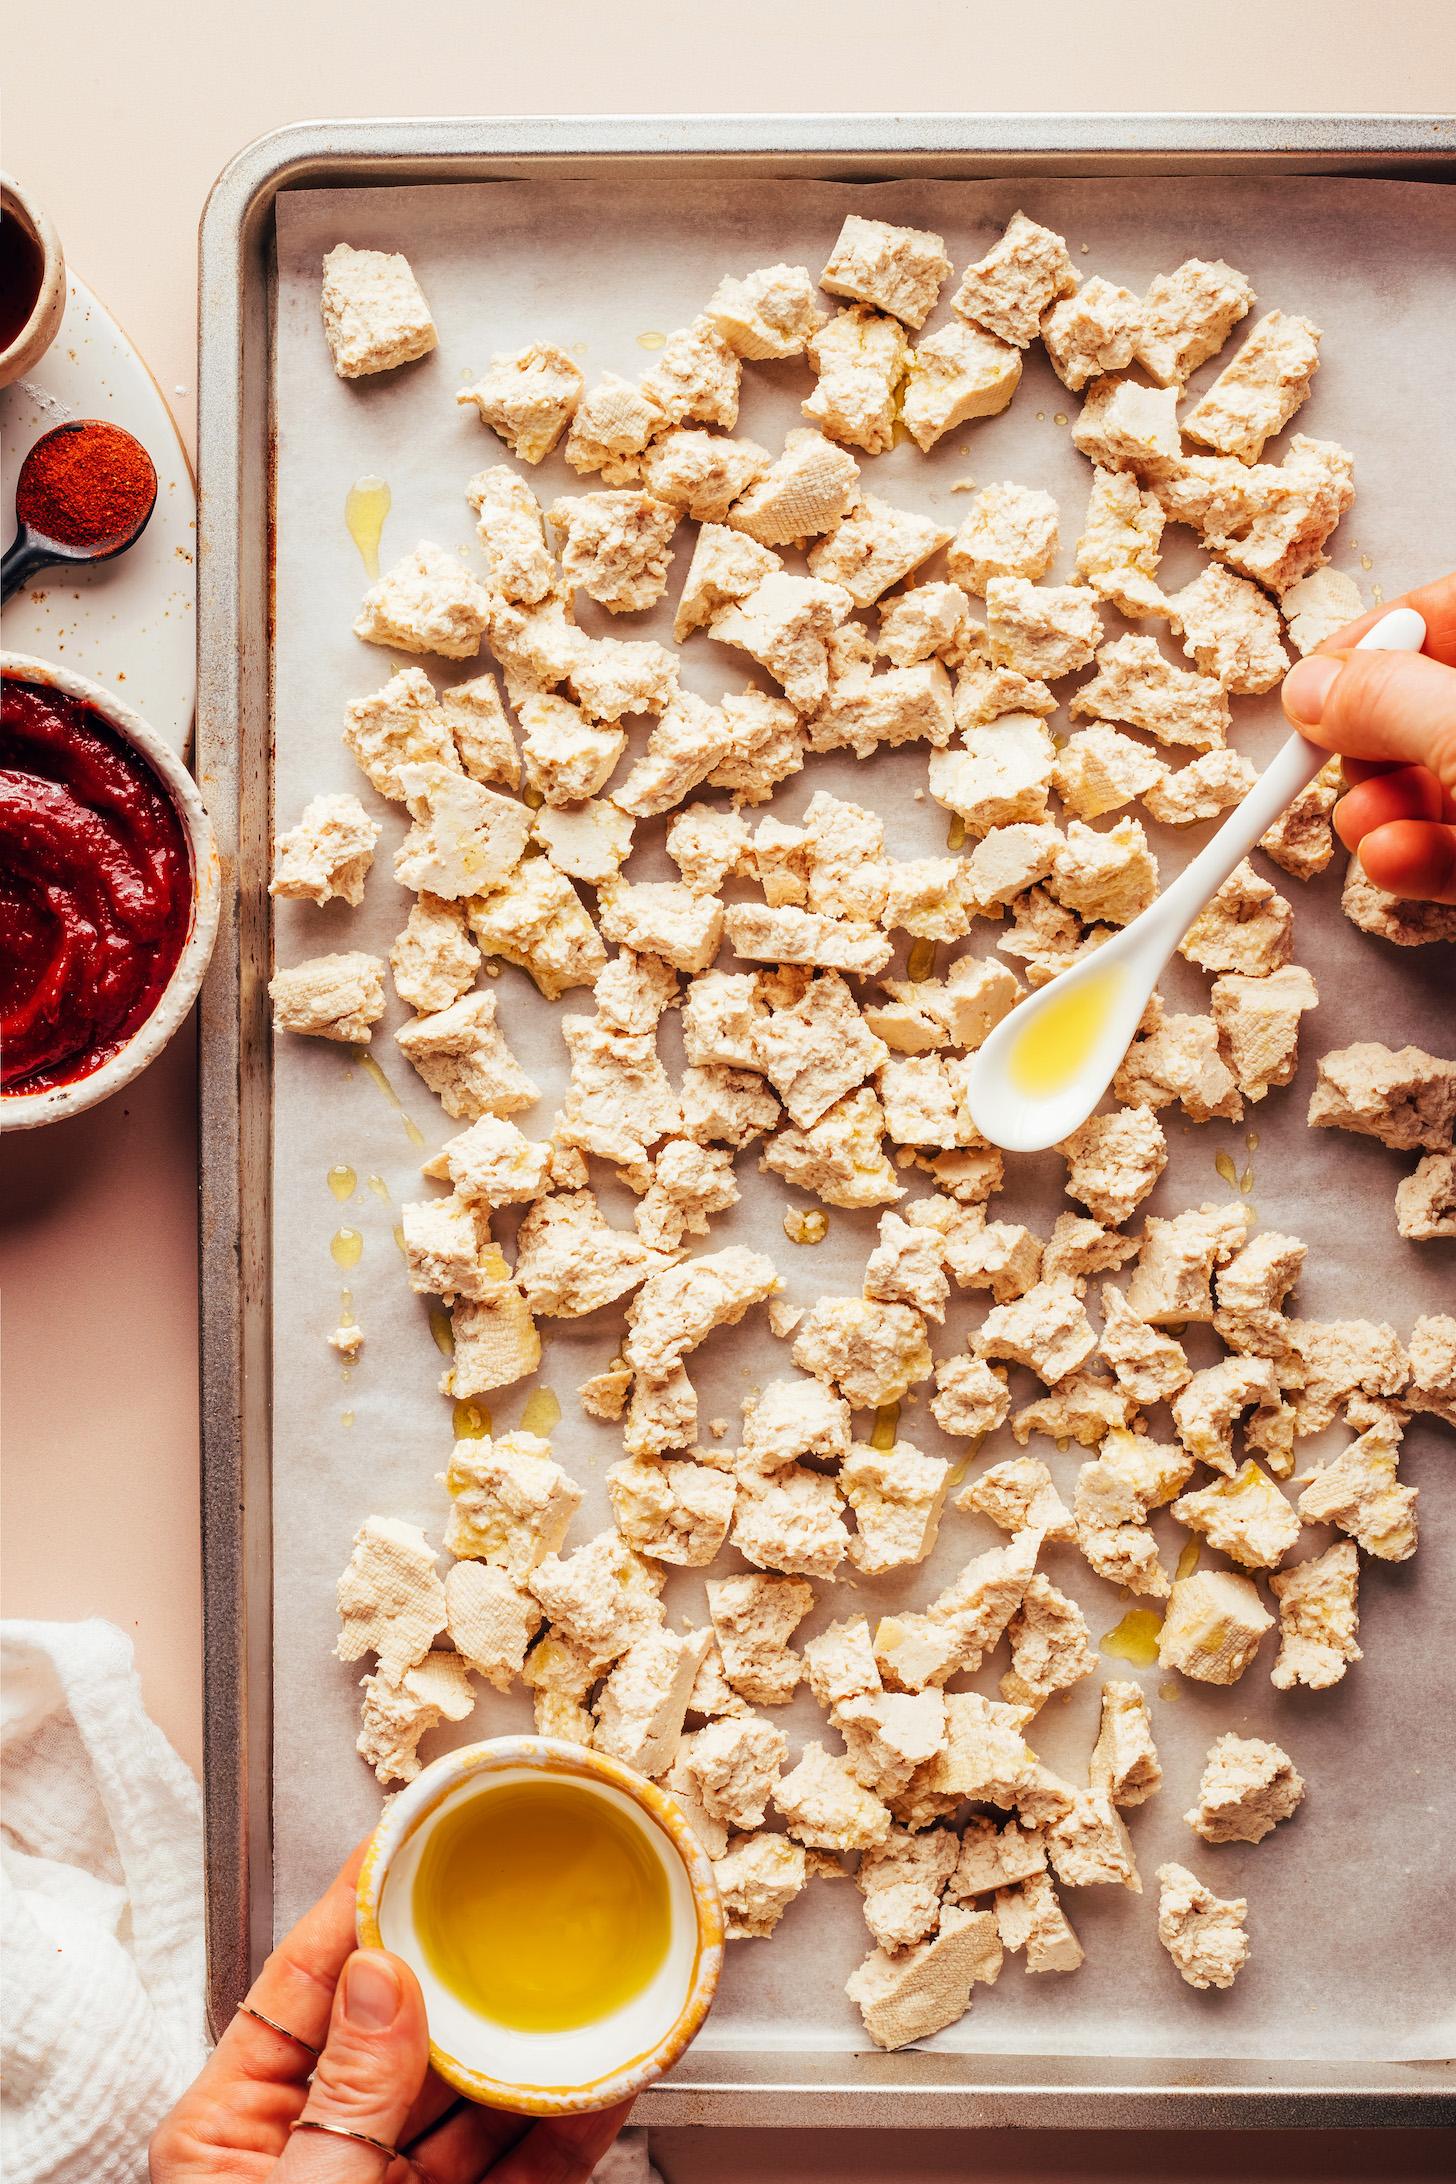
(402, 724)
(338, 997)
(689, 1183)
(570, 1261)
(1149, 1365)
(985, 692)
(921, 1990)
(1188, 315)
(992, 1856)
(327, 855)
(971, 1398)
(701, 474)
(903, 705)
(491, 1620)
(897, 269)
(1099, 768)
(790, 1520)
(1257, 393)
(538, 920)
(1318, 1618)
(1258, 1022)
(1129, 1478)
(957, 373)
(612, 425)
(912, 1651)
(1302, 840)
(754, 1618)
(1010, 290)
(707, 846)
(616, 547)
(509, 527)
(588, 841)
(1173, 1278)
(1245, 927)
(758, 1878)
(612, 676)
(906, 1267)
(770, 313)
(1203, 1933)
(872, 547)
(494, 1336)
(679, 1306)
(1432, 1350)
(1049, 1651)
(1090, 1845)
(441, 1250)
(843, 851)
(1108, 876)
(1045, 630)
(619, 1102)
(901, 1883)
(1029, 1917)
(1002, 1256)
(725, 1106)
(790, 935)
(396, 1712)
(601, 1599)
(1359, 1491)
(929, 621)
(1245, 1516)
(483, 736)
(1124, 1760)
(965, 1006)
(1113, 1161)
(632, 991)
(925, 1101)
(1077, 1248)
(643, 1701)
(1000, 774)
(374, 311)
(1230, 630)
(1298, 509)
(977, 1606)
(1118, 551)
(1405, 1097)
(538, 646)
(696, 377)
(818, 1050)
(1319, 605)
(1425, 1200)
(672, 1512)
(461, 1053)
(1248, 1786)
(1124, 426)
(1205, 1411)
(785, 624)
(465, 838)
(873, 1353)
(510, 1503)
(528, 397)
(434, 960)
(1213, 1625)
(1136, 684)
(428, 602)
(1010, 530)
(1092, 332)
(1046, 1329)
(735, 1764)
(726, 566)
(1334, 1359)
(805, 491)
(1019, 1494)
(390, 1599)
(1179, 1058)
(897, 1495)
(860, 358)
(1011, 859)
(1405, 924)
(826, 1808)
(1081, 1409)
(1213, 782)
(662, 1414)
(890, 1736)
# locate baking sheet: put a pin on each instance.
(1345, 1948)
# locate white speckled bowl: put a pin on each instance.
(593, 2066)
(28, 1110)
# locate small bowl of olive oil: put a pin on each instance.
(561, 1917)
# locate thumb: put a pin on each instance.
(368, 2077)
(1398, 708)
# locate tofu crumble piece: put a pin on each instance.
(1187, 316)
(958, 373)
(1203, 1933)
(1009, 530)
(1425, 1201)
(860, 357)
(753, 1618)
(1244, 1516)
(805, 491)
(528, 397)
(872, 1353)
(1029, 1917)
(1118, 551)
(872, 547)
(1214, 1623)
(390, 1599)
(1318, 1618)
(1010, 290)
(327, 855)
(1124, 1761)
(769, 313)
(615, 547)
(1359, 1491)
(374, 311)
(1136, 685)
(1092, 332)
(897, 269)
(1318, 605)
(462, 1054)
(786, 623)
(1230, 631)
(338, 997)
(396, 1712)
(1042, 631)
(1259, 390)
(1405, 1097)
(1248, 1786)
(427, 602)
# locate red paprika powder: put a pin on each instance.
(86, 484)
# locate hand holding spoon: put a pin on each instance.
(1047, 1064)
(85, 493)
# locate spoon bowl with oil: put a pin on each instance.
(1045, 1066)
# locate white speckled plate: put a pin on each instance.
(129, 623)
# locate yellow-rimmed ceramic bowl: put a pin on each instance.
(589, 2066)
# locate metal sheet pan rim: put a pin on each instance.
(234, 628)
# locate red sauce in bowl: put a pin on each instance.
(95, 889)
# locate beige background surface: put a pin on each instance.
(120, 119)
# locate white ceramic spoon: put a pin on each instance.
(1048, 1063)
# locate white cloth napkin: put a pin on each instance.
(101, 1930)
(101, 1945)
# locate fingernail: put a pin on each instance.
(371, 1993)
(1307, 687)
